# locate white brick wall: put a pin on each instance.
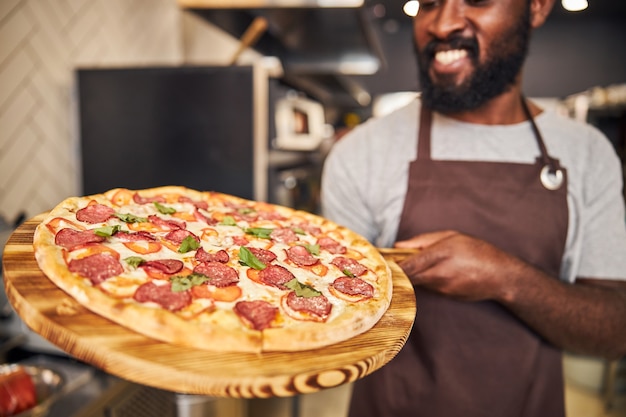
(42, 42)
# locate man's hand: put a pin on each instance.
(587, 317)
(459, 266)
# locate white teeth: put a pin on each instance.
(447, 57)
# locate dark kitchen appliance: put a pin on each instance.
(204, 127)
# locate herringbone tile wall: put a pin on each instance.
(41, 43)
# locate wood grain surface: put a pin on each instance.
(57, 317)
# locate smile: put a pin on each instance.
(450, 56)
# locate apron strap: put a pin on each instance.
(423, 146)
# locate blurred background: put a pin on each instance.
(96, 94)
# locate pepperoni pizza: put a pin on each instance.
(213, 271)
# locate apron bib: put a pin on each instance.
(476, 359)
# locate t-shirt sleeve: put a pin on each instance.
(603, 221)
(342, 189)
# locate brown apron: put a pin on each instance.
(475, 359)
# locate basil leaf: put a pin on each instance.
(302, 290)
(134, 261)
(348, 273)
(107, 231)
(130, 218)
(183, 283)
(260, 232)
(247, 258)
(164, 209)
(228, 221)
(313, 249)
(188, 244)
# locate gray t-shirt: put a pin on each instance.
(366, 174)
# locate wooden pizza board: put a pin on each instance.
(57, 317)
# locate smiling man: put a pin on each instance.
(516, 215)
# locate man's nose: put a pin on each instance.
(450, 18)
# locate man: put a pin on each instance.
(516, 215)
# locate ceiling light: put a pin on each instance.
(574, 5)
(411, 7)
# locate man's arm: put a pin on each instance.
(587, 317)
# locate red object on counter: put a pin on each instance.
(17, 392)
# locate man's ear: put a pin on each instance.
(539, 11)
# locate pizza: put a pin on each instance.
(213, 271)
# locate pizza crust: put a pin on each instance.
(218, 329)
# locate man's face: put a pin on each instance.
(469, 51)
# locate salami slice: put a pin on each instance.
(257, 314)
(354, 287)
(70, 238)
(168, 266)
(167, 224)
(96, 267)
(134, 236)
(177, 236)
(94, 213)
(163, 296)
(219, 256)
(283, 235)
(276, 276)
(147, 200)
(349, 265)
(301, 256)
(197, 203)
(318, 306)
(331, 245)
(220, 275)
(263, 255)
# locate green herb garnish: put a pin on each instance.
(130, 218)
(260, 232)
(228, 221)
(313, 249)
(302, 290)
(348, 273)
(183, 283)
(107, 231)
(164, 209)
(247, 258)
(188, 244)
(134, 261)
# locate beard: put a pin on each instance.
(497, 74)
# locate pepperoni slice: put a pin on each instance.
(96, 267)
(94, 213)
(70, 238)
(221, 275)
(301, 256)
(197, 203)
(177, 236)
(263, 255)
(331, 245)
(146, 200)
(167, 224)
(219, 256)
(318, 306)
(283, 235)
(276, 276)
(349, 265)
(163, 295)
(134, 236)
(354, 287)
(168, 266)
(258, 314)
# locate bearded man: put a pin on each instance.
(515, 213)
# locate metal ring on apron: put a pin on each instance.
(551, 180)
